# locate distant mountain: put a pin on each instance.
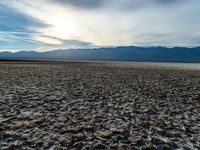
(129, 53)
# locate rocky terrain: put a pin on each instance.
(98, 106)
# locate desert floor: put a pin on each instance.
(96, 105)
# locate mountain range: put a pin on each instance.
(126, 53)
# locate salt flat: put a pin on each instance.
(99, 105)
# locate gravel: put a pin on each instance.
(73, 105)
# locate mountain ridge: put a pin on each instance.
(121, 53)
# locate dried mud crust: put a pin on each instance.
(84, 106)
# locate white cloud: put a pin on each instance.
(47, 40)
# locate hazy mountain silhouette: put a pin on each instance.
(129, 53)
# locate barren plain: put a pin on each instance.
(94, 105)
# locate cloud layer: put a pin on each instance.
(63, 24)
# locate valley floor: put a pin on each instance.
(96, 105)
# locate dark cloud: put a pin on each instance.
(70, 42)
(123, 4)
(79, 43)
(82, 3)
(169, 2)
(127, 5)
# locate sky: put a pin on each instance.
(43, 25)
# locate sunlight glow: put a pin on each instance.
(62, 24)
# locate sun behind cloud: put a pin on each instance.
(60, 27)
(61, 24)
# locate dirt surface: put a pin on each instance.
(97, 106)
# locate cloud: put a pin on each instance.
(54, 24)
(34, 41)
(12, 20)
(87, 4)
(48, 40)
(67, 44)
(14, 37)
(95, 4)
